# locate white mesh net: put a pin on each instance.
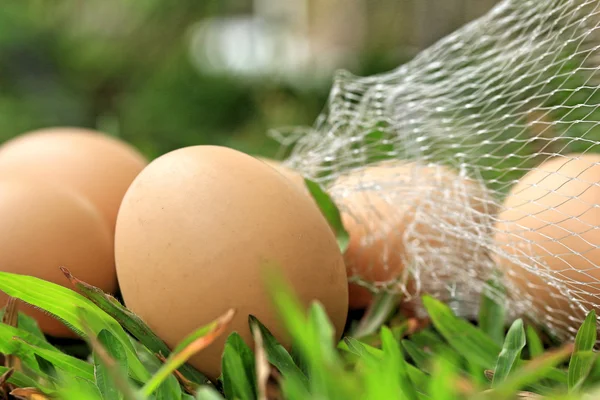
(489, 136)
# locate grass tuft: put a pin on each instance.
(385, 356)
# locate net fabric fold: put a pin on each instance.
(491, 102)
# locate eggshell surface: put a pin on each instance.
(289, 173)
(98, 166)
(194, 232)
(45, 227)
(391, 203)
(549, 244)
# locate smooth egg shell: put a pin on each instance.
(382, 207)
(547, 234)
(289, 173)
(193, 233)
(45, 227)
(98, 166)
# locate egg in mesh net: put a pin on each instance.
(474, 161)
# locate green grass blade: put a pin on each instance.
(103, 379)
(117, 375)
(47, 367)
(19, 379)
(511, 352)
(74, 388)
(419, 356)
(396, 364)
(376, 315)
(67, 304)
(430, 339)
(238, 372)
(7, 333)
(131, 323)
(72, 365)
(585, 362)
(171, 387)
(28, 324)
(195, 342)
(583, 358)
(323, 332)
(312, 333)
(419, 378)
(294, 389)
(300, 360)
(534, 343)
(361, 349)
(399, 329)
(56, 300)
(444, 378)
(168, 390)
(331, 213)
(492, 313)
(531, 373)
(277, 354)
(466, 339)
(9, 346)
(208, 393)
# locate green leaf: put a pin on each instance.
(313, 336)
(28, 324)
(429, 339)
(396, 365)
(277, 354)
(208, 393)
(66, 304)
(511, 352)
(293, 389)
(193, 343)
(531, 373)
(331, 213)
(238, 372)
(114, 371)
(323, 331)
(399, 329)
(235, 380)
(420, 379)
(115, 350)
(74, 388)
(72, 365)
(444, 377)
(361, 349)
(300, 360)
(465, 338)
(585, 361)
(47, 367)
(170, 388)
(15, 347)
(492, 313)
(583, 358)
(132, 323)
(419, 357)
(534, 343)
(379, 311)
(19, 379)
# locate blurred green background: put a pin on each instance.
(164, 74)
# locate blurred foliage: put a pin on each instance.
(124, 68)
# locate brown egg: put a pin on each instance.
(98, 166)
(289, 173)
(46, 226)
(548, 236)
(193, 233)
(392, 204)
